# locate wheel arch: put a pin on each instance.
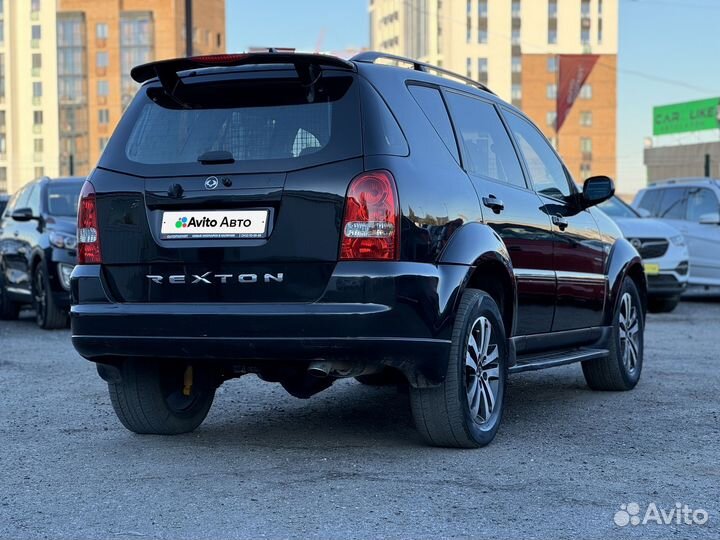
(624, 262)
(490, 269)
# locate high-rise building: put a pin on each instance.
(99, 41)
(513, 46)
(28, 97)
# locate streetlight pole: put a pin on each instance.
(188, 28)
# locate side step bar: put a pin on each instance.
(558, 358)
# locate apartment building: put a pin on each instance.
(28, 97)
(99, 41)
(514, 47)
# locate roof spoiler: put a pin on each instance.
(308, 67)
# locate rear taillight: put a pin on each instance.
(88, 236)
(371, 224)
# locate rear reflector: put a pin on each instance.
(371, 224)
(87, 233)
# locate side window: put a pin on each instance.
(22, 198)
(673, 204)
(432, 104)
(546, 170)
(10, 206)
(34, 199)
(700, 202)
(487, 149)
(649, 201)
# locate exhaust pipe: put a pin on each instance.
(319, 368)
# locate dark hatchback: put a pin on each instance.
(38, 250)
(305, 218)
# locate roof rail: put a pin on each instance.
(687, 180)
(370, 57)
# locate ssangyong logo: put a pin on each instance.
(209, 278)
(211, 182)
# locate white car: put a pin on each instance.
(663, 249)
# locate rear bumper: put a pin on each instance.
(397, 314)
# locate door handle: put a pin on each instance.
(493, 203)
(560, 222)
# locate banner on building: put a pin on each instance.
(573, 71)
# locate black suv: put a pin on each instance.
(37, 250)
(306, 218)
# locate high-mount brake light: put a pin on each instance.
(88, 235)
(217, 58)
(371, 224)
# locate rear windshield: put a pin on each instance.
(263, 124)
(63, 199)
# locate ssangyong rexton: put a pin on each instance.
(306, 218)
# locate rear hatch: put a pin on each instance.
(231, 190)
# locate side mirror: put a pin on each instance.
(22, 214)
(713, 218)
(597, 189)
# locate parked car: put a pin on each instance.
(307, 218)
(38, 250)
(692, 206)
(662, 248)
(3, 202)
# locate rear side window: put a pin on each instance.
(432, 104)
(265, 121)
(673, 204)
(487, 150)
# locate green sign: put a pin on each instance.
(683, 117)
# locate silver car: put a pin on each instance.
(692, 206)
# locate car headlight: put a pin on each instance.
(678, 240)
(62, 240)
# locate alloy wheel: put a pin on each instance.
(482, 371)
(629, 323)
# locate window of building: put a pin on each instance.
(2, 32)
(101, 59)
(3, 146)
(552, 64)
(483, 8)
(516, 64)
(552, 9)
(37, 92)
(102, 143)
(37, 118)
(137, 46)
(551, 91)
(39, 172)
(585, 36)
(552, 36)
(487, 150)
(586, 145)
(3, 179)
(586, 91)
(468, 67)
(482, 36)
(516, 92)
(103, 88)
(36, 64)
(2, 78)
(218, 41)
(2, 7)
(586, 118)
(482, 65)
(585, 170)
(38, 146)
(516, 8)
(34, 6)
(585, 8)
(600, 30)
(2, 121)
(35, 35)
(101, 31)
(103, 116)
(550, 118)
(515, 37)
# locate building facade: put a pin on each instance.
(99, 41)
(513, 47)
(28, 97)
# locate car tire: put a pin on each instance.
(149, 397)
(9, 310)
(47, 315)
(663, 304)
(621, 369)
(458, 413)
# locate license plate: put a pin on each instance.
(215, 224)
(652, 269)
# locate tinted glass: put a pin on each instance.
(673, 204)
(22, 198)
(616, 208)
(546, 170)
(432, 104)
(34, 199)
(273, 123)
(487, 150)
(62, 199)
(649, 201)
(701, 202)
(382, 135)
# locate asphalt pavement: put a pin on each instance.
(348, 462)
